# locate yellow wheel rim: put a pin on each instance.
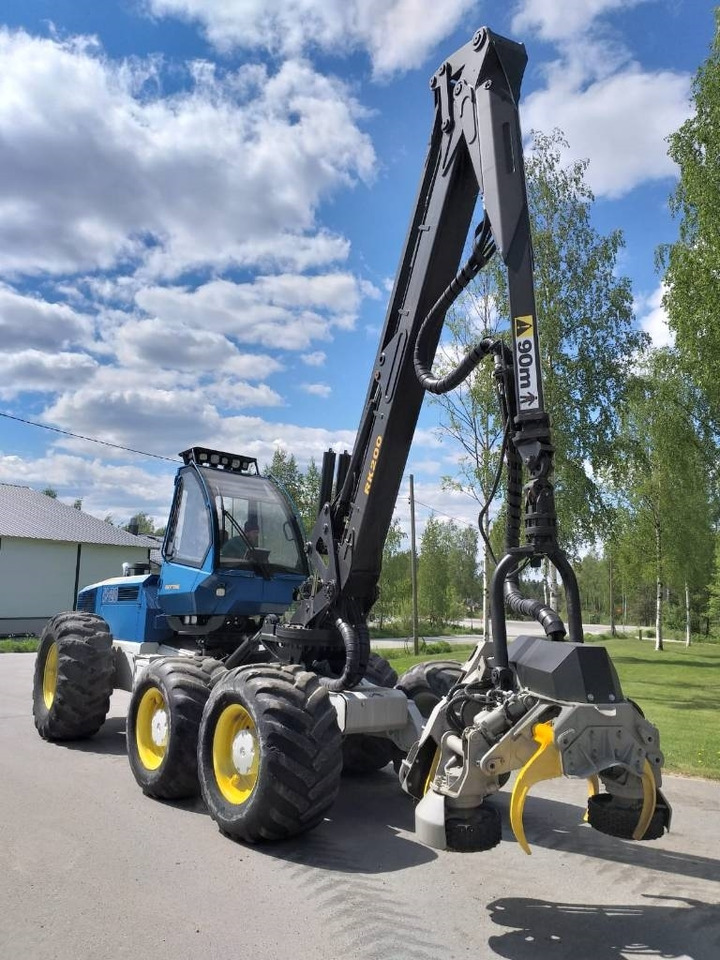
(50, 675)
(152, 728)
(432, 771)
(236, 754)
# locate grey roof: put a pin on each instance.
(33, 515)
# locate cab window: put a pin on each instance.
(190, 536)
(255, 524)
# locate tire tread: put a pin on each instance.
(86, 671)
(300, 744)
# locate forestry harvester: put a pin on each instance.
(248, 655)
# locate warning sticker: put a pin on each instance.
(524, 326)
(526, 372)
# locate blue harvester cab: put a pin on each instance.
(233, 550)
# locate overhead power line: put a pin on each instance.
(466, 523)
(79, 436)
(158, 456)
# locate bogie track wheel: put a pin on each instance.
(619, 819)
(363, 753)
(74, 674)
(163, 724)
(269, 753)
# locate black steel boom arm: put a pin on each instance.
(475, 148)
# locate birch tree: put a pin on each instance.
(665, 482)
(692, 275)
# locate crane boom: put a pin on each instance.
(475, 149)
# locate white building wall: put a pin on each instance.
(37, 577)
(99, 562)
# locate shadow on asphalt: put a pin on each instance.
(362, 832)
(559, 826)
(109, 740)
(668, 927)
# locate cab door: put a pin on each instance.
(187, 549)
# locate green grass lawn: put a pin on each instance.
(19, 645)
(678, 690)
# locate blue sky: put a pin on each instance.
(203, 204)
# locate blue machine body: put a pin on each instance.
(233, 549)
(130, 608)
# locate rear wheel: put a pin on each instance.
(269, 753)
(427, 683)
(73, 680)
(363, 753)
(163, 724)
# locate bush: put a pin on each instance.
(440, 646)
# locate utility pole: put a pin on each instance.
(413, 568)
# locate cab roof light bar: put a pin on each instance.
(232, 462)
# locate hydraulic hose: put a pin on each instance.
(482, 252)
(357, 652)
(461, 372)
(543, 614)
(540, 612)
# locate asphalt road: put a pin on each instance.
(515, 628)
(90, 869)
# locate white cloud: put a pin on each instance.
(432, 499)
(104, 487)
(286, 311)
(228, 171)
(29, 322)
(653, 318)
(233, 394)
(398, 34)
(431, 467)
(316, 389)
(612, 111)
(33, 370)
(79, 469)
(619, 122)
(315, 359)
(563, 19)
(171, 411)
(171, 345)
(133, 414)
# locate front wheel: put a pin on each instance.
(619, 818)
(269, 752)
(74, 674)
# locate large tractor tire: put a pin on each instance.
(269, 754)
(363, 753)
(163, 724)
(74, 674)
(427, 683)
